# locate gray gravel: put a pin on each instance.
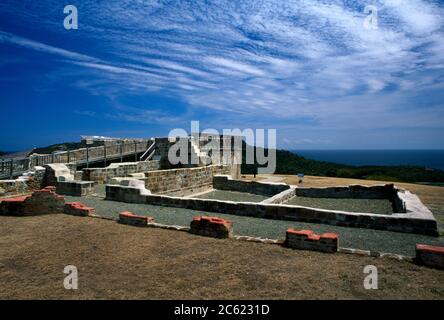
(377, 206)
(232, 196)
(367, 239)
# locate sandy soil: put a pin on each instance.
(117, 261)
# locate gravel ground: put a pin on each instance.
(383, 241)
(377, 206)
(232, 196)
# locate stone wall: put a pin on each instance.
(282, 196)
(224, 182)
(183, 181)
(418, 220)
(29, 181)
(57, 172)
(75, 188)
(386, 191)
(104, 175)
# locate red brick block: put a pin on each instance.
(308, 240)
(132, 219)
(13, 206)
(78, 209)
(211, 227)
(44, 201)
(432, 256)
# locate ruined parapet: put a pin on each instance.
(211, 227)
(308, 240)
(132, 219)
(133, 183)
(432, 256)
(56, 172)
(28, 181)
(44, 201)
(124, 169)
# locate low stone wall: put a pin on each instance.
(104, 175)
(431, 256)
(12, 187)
(132, 219)
(281, 197)
(420, 221)
(75, 188)
(212, 227)
(224, 182)
(308, 240)
(386, 191)
(183, 181)
(29, 181)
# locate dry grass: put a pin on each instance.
(117, 261)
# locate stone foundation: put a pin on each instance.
(225, 182)
(211, 227)
(308, 240)
(418, 219)
(432, 256)
(134, 220)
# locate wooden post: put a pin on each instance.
(121, 151)
(104, 154)
(11, 169)
(68, 156)
(135, 151)
(87, 157)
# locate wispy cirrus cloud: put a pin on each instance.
(265, 59)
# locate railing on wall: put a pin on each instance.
(10, 168)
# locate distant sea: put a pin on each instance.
(423, 158)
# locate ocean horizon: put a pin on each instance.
(423, 158)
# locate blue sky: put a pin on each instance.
(139, 68)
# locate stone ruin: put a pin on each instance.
(308, 240)
(211, 227)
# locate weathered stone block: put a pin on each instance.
(211, 227)
(78, 209)
(432, 256)
(132, 219)
(308, 240)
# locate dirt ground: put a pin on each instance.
(122, 262)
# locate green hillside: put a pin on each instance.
(290, 163)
